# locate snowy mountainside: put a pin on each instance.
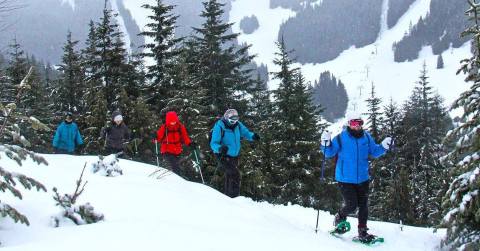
(41, 27)
(144, 213)
(358, 68)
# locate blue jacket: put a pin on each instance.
(352, 163)
(231, 137)
(67, 137)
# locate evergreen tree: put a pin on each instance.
(188, 100)
(428, 123)
(162, 51)
(440, 62)
(387, 201)
(71, 85)
(331, 94)
(258, 163)
(111, 56)
(16, 70)
(18, 66)
(35, 104)
(296, 135)
(10, 132)
(374, 120)
(374, 115)
(462, 202)
(221, 67)
(95, 114)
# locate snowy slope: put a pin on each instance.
(359, 67)
(143, 213)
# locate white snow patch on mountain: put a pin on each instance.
(140, 15)
(123, 28)
(70, 2)
(263, 39)
(358, 68)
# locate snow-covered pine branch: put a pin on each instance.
(107, 166)
(78, 214)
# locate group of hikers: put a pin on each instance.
(352, 148)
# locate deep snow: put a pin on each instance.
(144, 213)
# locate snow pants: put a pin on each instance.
(355, 196)
(173, 162)
(232, 176)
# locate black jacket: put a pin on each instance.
(116, 135)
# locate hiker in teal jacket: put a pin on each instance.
(225, 143)
(67, 137)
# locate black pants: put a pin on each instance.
(111, 150)
(173, 162)
(232, 176)
(355, 195)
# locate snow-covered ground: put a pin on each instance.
(144, 213)
(359, 67)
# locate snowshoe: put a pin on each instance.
(365, 238)
(368, 240)
(341, 228)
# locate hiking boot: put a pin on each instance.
(338, 219)
(341, 225)
(364, 236)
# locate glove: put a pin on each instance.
(256, 137)
(387, 143)
(326, 138)
(223, 150)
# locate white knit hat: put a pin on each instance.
(230, 113)
(118, 118)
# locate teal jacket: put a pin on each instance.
(231, 137)
(67, 137)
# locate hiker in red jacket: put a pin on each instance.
(171, 136)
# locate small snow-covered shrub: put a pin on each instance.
(107, 166)
(78, 214)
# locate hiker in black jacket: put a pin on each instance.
(117, 136)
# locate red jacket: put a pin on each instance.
(172, 134)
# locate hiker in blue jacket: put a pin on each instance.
(353, 146)
(67, 137)
(225, 144)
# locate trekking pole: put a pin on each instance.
(105, 143)
(136, 148)
(156, 153)
(316, 227)
(324, 159)
(198, 165)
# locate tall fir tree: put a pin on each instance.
(15, 71)
(428, 173)
(71, 85)
(374, 114)
(257, 165)
(111, 56)
(296, 133)
(461, 203)
(188, 100)
(374, 121)
(222, 67)
(162, 50)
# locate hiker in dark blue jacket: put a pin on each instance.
(353, 146)
(225, 143)
(67, 137)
